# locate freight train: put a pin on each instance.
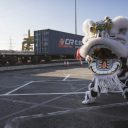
(48, 45)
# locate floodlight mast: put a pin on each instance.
(75, 19)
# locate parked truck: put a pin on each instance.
(48, 45)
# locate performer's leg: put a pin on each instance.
(124, 77)
(125, 90)
(92, 93)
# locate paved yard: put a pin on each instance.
(51, 98)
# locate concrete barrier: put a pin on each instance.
(22, 67)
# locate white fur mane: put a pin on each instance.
(113, 34)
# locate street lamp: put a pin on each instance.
(75, 19)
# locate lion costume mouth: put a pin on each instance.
(102, 52)
(114, 46)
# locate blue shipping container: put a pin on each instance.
(51, 42)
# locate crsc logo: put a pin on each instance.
(69, 43)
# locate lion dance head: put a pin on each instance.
(105, 48)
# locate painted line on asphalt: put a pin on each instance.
(39, 94)
(115, 91)
(17, 101)
(89, 109)
(58, 107)
(58, 80)
(76, 110)
(66, 77)
(18, 88)
(35, 106)
(31, 107)
(59, 93)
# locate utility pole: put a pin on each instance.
(75, 19)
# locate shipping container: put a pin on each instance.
(50, 42)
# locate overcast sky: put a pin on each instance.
(17, 16)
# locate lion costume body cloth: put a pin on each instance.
(105, 48)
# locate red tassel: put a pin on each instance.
(78, 57)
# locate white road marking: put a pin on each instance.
(58, 80)
(59, 112)
(31, 107)
(66, 77)
(18, 88)
(58, 107)
(59, 93)
(32, 94)
(90, 108)
(17, 101)
(115, 91)
(76, 110)
(35, 106)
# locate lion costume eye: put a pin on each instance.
(123, 31)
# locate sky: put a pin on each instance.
(17, 16)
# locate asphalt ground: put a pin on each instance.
(51, 98)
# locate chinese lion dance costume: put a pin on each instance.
(105, 48)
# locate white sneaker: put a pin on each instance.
(88, 98)
(84, 102)
(125, 93)
(88, 101)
